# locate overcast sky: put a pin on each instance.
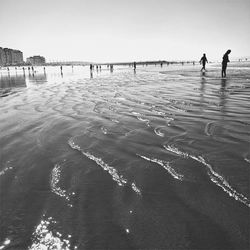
(126, 30)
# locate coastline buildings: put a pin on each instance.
(36, 60)
(10, 57)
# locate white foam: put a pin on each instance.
(112, 171)
(44, 238)
(158, 132)
(2, 172)
(247, 160)
(55, 178)
(5, 243)
(104, 130)
(135, 188)
(165, 165)
(214, 176)
(176, 151)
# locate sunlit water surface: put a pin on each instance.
(153, 159)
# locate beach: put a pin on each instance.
(157, 158)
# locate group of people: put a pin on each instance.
(225, 60)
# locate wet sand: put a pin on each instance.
(153, 159)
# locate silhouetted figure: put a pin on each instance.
(203, 61)
(32, 68)
(134, 65)
(91, 67)
(161, 64)
(193, 63)
(61, 68)
(111, 68)
(225, 60)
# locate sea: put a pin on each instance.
(152, 158)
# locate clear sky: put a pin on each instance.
(126, 30)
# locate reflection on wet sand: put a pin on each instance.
(37, 78)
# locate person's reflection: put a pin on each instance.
(61, 74)
(38, 78)
(223, 96)
(202, 91)
(91, 74)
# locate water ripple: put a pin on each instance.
(119, 179)
(165, 165)
(55, 179)
(44, 238)
(214, 176)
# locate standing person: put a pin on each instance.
(225, 60)
(203, 61)
(134, 65)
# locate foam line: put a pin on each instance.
(119, 179)
(213, 175)
(165, 165)
(55, 178)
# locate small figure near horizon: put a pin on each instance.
(111, 68)
(91, 67)
(203, 61)
(61, 68)
(225, 60)
(134, 65)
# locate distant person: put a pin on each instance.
(111, 68)
(225, 60)
(91, 67)
(203, 61)
(134, 65)
(61, 67)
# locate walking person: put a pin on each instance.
(203, 61)
(225, 60)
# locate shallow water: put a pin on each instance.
(153, 159)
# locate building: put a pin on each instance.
(36, 60)
(10, 57)
(17, 56)
(2, 57)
